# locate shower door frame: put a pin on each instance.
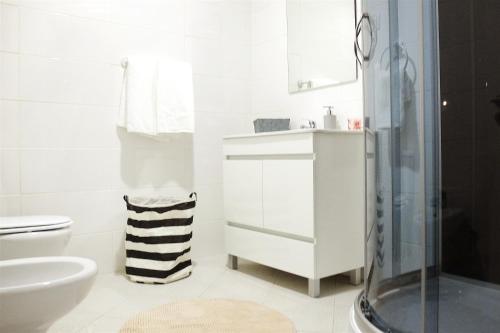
(431, 226)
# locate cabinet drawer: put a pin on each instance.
(288, 196)
(289, 255)
(282, 144)
(243, 192)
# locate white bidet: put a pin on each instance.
(35, 292)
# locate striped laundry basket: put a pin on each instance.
(158, 240)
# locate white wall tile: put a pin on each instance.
(9, 124)
(160, 165)
(269, 21)
(205, 55)
(68, 37)
(53, 80)
(236, 60)
(153, 42)
(209, 207)
(84, 126)
(9, 172)
(98, 247)
(10, 205)
(9, 23)
(204, 18)
(9, 75)
(269, 60)
(236, 96)
(207, 164)
(119, 250)
(97, 9)
(66, 170)
(270, 96)
(258, 5)
(167, 15)
(208, 239)
(212, 127)
(208, 93)
(171, 191)
(91, 212)
(208, 145)
(237, 21)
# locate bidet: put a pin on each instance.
(35, 292)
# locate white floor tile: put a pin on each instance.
(105, 324)
(74, 322)
(114, 299)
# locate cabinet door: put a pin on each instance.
(243, 192)
(288, 193)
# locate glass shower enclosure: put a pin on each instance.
(432, 225)
(399, 60)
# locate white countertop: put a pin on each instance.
(294, 131)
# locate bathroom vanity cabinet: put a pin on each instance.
(294, 200)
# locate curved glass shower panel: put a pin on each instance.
(401, 208)
(430, 261)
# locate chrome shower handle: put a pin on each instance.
(357, 47)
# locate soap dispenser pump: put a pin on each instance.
(329, 119)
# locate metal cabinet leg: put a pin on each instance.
(313, 287)
(355, 276)
(232, 261)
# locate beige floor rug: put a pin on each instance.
(209, 316)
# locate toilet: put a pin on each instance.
(34, 274)
(33, 236)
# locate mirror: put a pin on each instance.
(320, 43)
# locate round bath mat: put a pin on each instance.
(209, 316)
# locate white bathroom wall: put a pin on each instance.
(270, 97)
(60, 81)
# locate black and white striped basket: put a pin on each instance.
(158, 240)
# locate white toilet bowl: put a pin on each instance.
(34, 292)
(33, 236)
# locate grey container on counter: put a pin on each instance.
(271, 125)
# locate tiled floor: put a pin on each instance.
(113, 299)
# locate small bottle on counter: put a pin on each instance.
(329, 119)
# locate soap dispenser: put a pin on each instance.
(329, 119)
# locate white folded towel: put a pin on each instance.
(175, 100)
(157, 97)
